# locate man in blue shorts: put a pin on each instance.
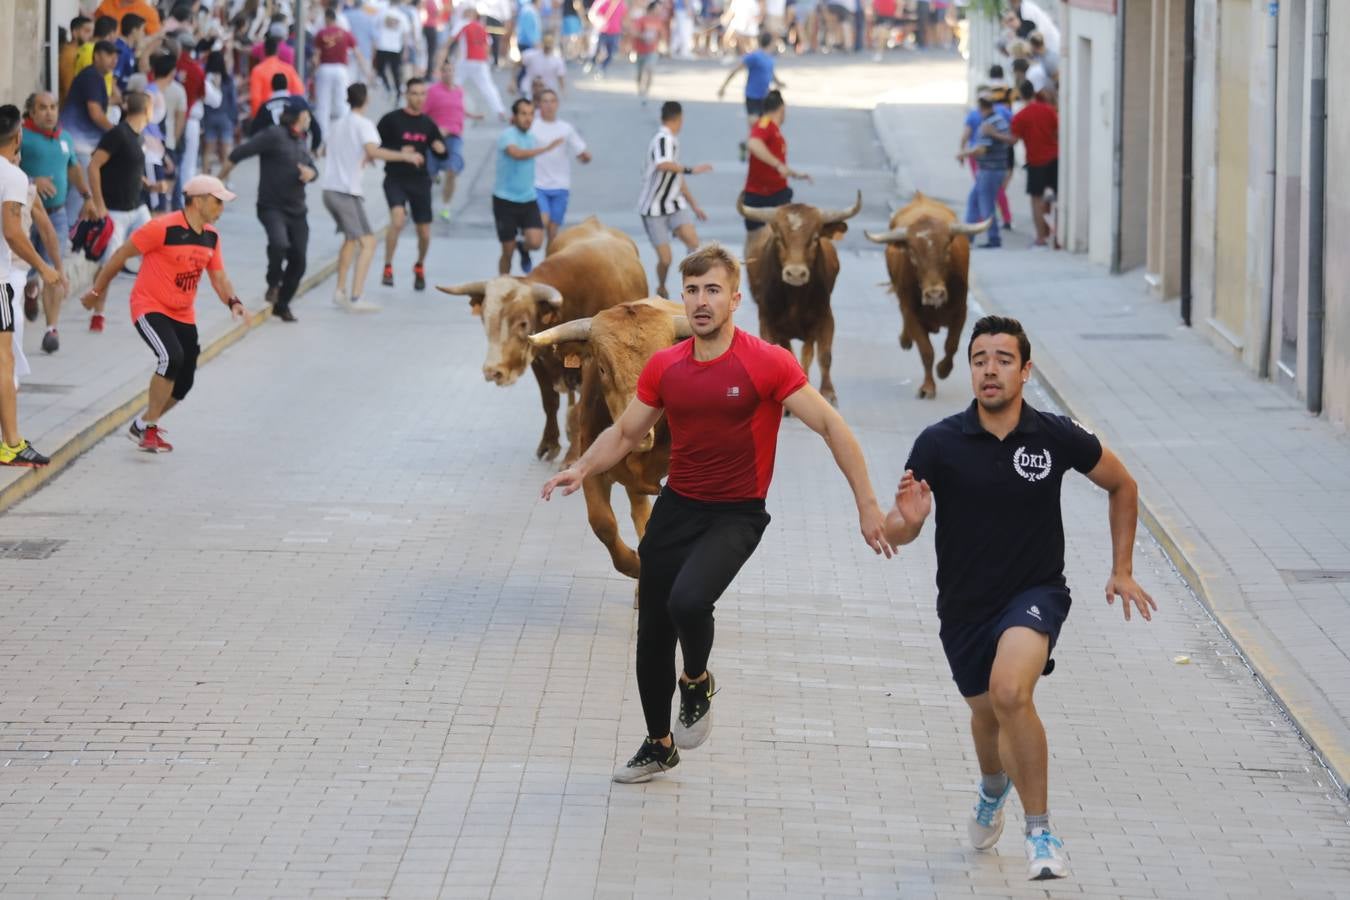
(995, 470)
(553, 169)
(759, 80)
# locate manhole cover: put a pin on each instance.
(1315, 576)
(29, 549)
(1127, 336)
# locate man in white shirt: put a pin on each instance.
(393, 38)
(543, 68)
(553, 168)
(353, 144)
(665, 202)
(14, 450)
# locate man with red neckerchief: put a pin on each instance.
(723, 393)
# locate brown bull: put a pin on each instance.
(791, 265)
(928, 258)
(588, 275)
(587, 228)
(611, 348)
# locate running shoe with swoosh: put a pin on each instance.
(694, 723)
(651, 759)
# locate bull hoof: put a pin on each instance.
(944, 368)
(548, 450)
(831, 397)
(905, 342)
(928, 392)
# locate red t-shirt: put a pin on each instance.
(884, 8)
(173, 257)
(192, 77)
(1037, 126)
(763, 178)
(723, 415)
(475, 41)
(647, 34)
(333, 43)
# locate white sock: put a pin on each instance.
(140, 423)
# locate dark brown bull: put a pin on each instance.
(611, 348)
(928, 258)
(791, 265)
(592, 272)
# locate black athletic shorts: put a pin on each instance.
(6, 309)
(970, 646)
(512, 217)
(1042, 178)
(415, 193)
(175, 346)
(764, 201)
(754, 106)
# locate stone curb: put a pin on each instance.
(1202, 569)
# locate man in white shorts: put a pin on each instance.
(666, 202)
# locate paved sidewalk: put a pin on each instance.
(1248, 493)
(95, 382)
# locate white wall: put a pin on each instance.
(1087, 132)
(1336, 346)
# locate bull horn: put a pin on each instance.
(547, 293)
(575, 330)
(682, 327)
(764, 215)
(977, 228)
(466, 289)
(830, 216)
(894, 236)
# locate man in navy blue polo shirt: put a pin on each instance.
(996, 471)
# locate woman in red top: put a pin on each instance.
(766, 181)
(723, 393)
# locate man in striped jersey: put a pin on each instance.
(666, 202)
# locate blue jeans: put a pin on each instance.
(980, 205)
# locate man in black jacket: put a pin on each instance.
(285, 167)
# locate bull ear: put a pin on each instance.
(476, 305)
(834, 230)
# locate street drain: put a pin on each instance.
(29, 549)
(1315, 576)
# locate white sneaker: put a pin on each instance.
(340, 300)
(986, 821)
(1045, 856)
(364, 306)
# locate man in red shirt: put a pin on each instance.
(723, 393)
(175, 250)
(473, 69)
(260, 79)
(646, 38)
(766, 182)
(330, 80)
(1036, 125)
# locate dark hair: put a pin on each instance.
(136, 102)
(1027, 90)
(330, 15)
(280, 81)
(80, 22)
(104, 26)
(414, 82)
(105, 47)
(773, 102)
(290, 115)
(521, 101)
(29, 104)
(270, 44)
(356, 95)
(765, 39)
(162, 64)
(10, 120)
(995, 71)
(985, 101)
(1001, 325)
(1020, 65)
(215, 63)
(181, 11)
(671, 109)
(130, 22)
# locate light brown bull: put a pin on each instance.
(611, 349)
(928, 259)
(592, 272)
(791, 265)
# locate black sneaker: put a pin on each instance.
(134, 432)
(526, 264)
(651, 759)
(387, 279)
(24, 456)
(283, 312)
(694, 723)
(419, 278)
(50, 342)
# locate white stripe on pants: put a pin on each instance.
(477, 73)
(330, 93)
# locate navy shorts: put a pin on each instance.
(970, 646)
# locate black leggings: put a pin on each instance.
(389, 68)
(287, 246)
(690, 554)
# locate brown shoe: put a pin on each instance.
(272, 294)
(283, 313)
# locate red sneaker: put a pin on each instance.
(151, 442)
(96, 323)
(419, 277)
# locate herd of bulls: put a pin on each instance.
(583, 323)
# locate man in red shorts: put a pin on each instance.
(723, 393)
(176, 249)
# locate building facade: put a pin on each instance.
(1242, 236)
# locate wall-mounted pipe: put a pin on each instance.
(1317, 186)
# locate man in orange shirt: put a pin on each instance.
(260, 79)
(119, 8)
(175, 250)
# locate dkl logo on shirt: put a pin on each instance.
(1031, 466)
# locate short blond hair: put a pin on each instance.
(708, 257)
